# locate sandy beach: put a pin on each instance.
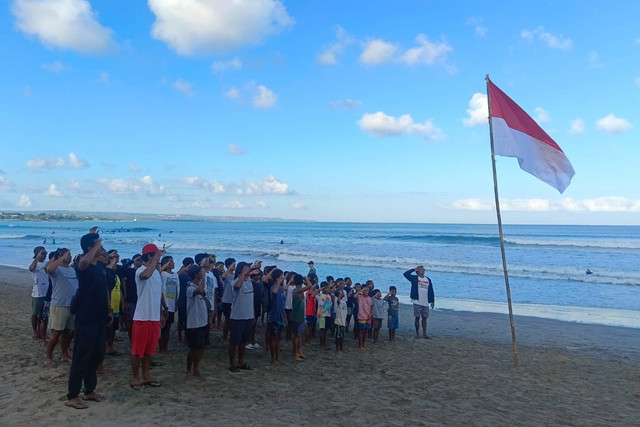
(569, 374)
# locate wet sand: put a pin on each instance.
(569, 374)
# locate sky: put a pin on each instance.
(368, 111)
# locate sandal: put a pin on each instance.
(152, 383)
(234, 368)
(246, 367)
(136, 387)
(75, 404)
(95, 398)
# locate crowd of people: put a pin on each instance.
(85, 300)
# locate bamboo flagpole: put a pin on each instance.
(514, 342)
(515, 134)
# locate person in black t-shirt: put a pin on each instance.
(131, 291)
(93, 314)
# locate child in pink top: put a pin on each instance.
(364, 316)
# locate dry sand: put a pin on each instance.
(569, 374)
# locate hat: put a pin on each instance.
(310, 262)
(150, 248)
(37, 250)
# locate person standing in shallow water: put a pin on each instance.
(422, 297)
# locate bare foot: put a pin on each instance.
(298, 358)
(49, 362)
(104, 372)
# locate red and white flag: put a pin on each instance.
(516, 134)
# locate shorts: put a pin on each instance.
(37, 303)
(226, 309)
(168, 323)
(131, 310)
(45, 312)
(240, 331)
(60, 318)
(182, 315)
(322, 323)
(276, 329)
(311, 320)
(339, 332)
(197, 338)
(377, 323)
(364, 325)
(392, 322)
(329, 321)
(144, 337)
(421, 311)
(297, 328)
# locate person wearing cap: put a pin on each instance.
(147, 318)
(312, 269)
(92, 316)
(422, 297)
(197, 333)
(39, 291)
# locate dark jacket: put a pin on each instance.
(414, 286)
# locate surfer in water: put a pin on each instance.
(589, 271)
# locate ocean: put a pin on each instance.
(547, 264)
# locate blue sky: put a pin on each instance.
(375, 111)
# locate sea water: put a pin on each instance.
(546, 264)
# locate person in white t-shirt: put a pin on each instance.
(148, 317)
(422, 297)
(39, 291)
(170, 291)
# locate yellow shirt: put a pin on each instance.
(115, 296)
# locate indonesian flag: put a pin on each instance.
(516, 134)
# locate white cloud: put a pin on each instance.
(426, 52)
(153, 188)
(594, 60)
(269, 185)
(264, 98)
(222, 66)
(184, 87)
(542, 115)
(611, 204)
(345, 103)
(300, 206)
(133, 167)
(235, 149)
(377, 51)
(478, 110)
(63, 24)
(553, 42)
(233, 93)
(120, 186)
(24, 201)
(262, 204)
(381, 125)
(192, 27)
(5, 183)
(577, 127)
(235, 204)
(73, 162)
(613, 124)
(53, 191)
(481, 31)
(329, 56)
(211, 186)
(55, 66)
